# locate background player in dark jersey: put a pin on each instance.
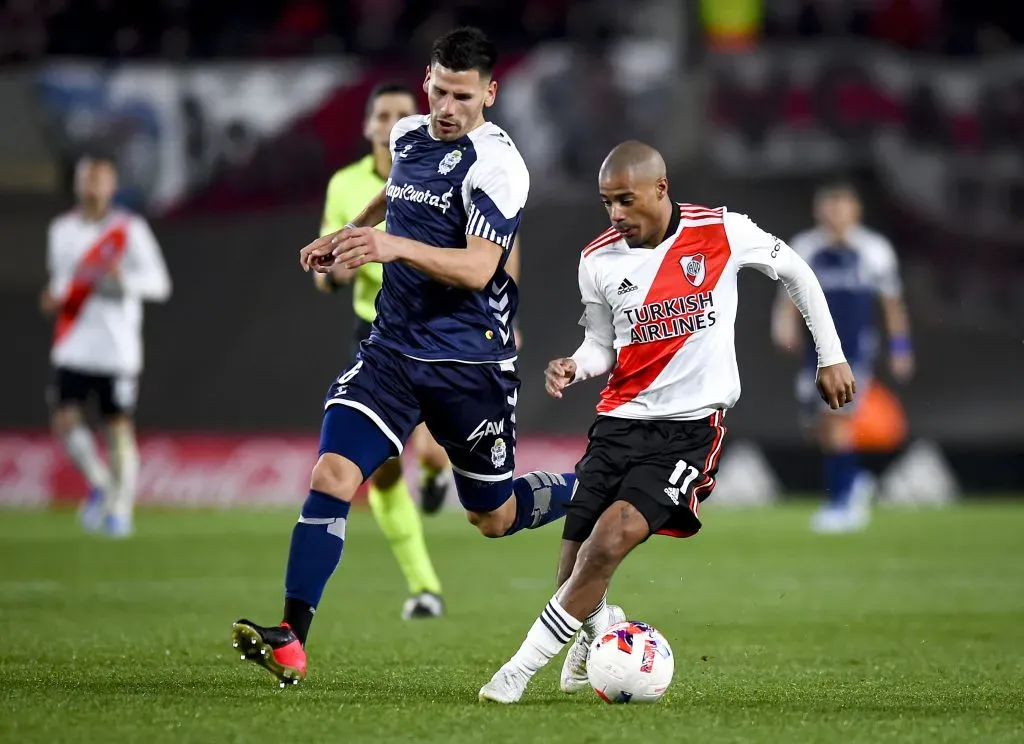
(441, 349)
(855, 266)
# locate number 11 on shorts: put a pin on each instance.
(691, 474)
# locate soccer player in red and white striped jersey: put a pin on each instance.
(660, 296)
(103, 263)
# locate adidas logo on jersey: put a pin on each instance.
(673, 493)
(626, 286)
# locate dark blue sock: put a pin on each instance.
(317, 541)
(841, 470)
(540, 498)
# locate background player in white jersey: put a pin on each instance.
(659, 289)
(441, 349)
(855, 266)
(103, 262)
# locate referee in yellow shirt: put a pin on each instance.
(349, 191)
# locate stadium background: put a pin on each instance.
(228, 119)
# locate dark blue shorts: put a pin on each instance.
(469, 409)
(361, 331)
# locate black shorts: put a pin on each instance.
(663, 468)
(360, 332)
(114, 395)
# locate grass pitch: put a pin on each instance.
(910, 632)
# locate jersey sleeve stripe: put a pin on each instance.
(606, 238)
(475, 218)
(693, 215)
(479, 227)
(600, 238)
(690, 211)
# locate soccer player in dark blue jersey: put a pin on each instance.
(441, 349)
(856, 267)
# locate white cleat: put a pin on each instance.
(574, 668)
(119, 528)
(92, 512)
(854, 516)
(506, 686)
(839, 521)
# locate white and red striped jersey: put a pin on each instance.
(100, 273)
(662, 319)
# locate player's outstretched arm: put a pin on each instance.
(756, 248)
(835, 378)
(786, 324)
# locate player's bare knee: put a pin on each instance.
(336, 476)
(119, 425)
(64, 419)
(388, 474)
(490, 524)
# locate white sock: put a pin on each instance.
(124, 467)
(550, 632)
(596, 621)
(81, 448)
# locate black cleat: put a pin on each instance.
(423, 605)
(434, 491)
(277, 649)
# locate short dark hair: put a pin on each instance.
(463, 49)
(387, 89)
(836, 185)
(98, 155)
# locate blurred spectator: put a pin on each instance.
(960, 27)
(731, 25)
(180, 29)
(22, 30)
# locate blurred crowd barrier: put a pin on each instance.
(944, 134)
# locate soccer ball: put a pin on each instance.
(631, 662)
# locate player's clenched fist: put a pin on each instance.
(318, 255)
(836, 385)
(560, 372)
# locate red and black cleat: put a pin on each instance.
(276, 649)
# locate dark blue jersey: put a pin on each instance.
(438, 193)
(853, 272)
